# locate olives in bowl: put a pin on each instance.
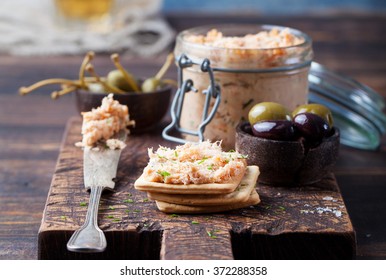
(298, 151)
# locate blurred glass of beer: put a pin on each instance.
(89, 15)
(84, 9)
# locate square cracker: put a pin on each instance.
(210, 188)
(189, 209)
(241, 193)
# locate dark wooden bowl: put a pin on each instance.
(287, 163)
(147, 109)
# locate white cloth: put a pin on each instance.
(30, 27)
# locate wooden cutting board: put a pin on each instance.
(290, 223)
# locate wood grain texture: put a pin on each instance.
(310, 222)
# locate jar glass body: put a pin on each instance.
(246, 76)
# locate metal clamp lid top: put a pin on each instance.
(213, 91)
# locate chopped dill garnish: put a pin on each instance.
(163, 173)
(211, 233)
(242, 156)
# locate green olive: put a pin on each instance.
(316, 109)
(268, 111)
(150, 84)
(117, 79)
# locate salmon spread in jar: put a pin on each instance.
(251, 64)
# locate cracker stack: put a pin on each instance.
(203, 198)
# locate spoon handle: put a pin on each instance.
(89, 238)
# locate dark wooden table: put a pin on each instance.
(31, 127)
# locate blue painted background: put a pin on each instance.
(274, 6)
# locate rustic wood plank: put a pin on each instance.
(193, 239)
(313, 219)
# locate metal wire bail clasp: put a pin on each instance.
(213, 91)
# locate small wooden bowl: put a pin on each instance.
(287, 163)
(146, 109)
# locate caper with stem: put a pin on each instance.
(117, 79)
(87, 59)
(26, 90)
(152, 83)
(127, 76)
(96, 87)
(65, 90)
(107, 86)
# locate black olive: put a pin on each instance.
(312, 127)
(274, 130)
(316, 109)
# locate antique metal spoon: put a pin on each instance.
(99, 170)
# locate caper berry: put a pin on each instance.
(150, 84)
(96, 88)
(317, 109)
(274, 130)
(117, 79)
(268, 111)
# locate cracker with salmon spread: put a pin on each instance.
(192, 168)
(239, 195)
